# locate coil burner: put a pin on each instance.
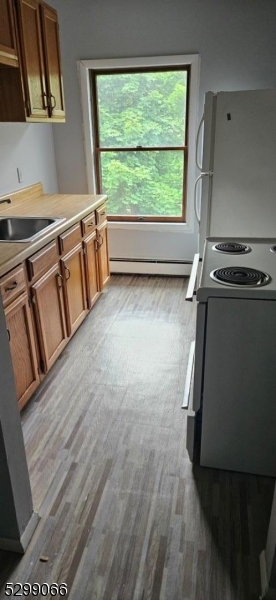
(240, 277)
(231, 248)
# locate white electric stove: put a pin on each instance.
(238, 269)
(232, 405)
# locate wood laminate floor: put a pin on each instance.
(124, 515)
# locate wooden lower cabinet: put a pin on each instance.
(72, 268)
(61, 282)
(91, 269)
(47, 296)
(103, 259)
(22, 347)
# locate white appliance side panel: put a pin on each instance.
(244, 181)
(207, 165)
(191, 435)
(239, 397)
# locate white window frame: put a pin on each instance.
(84, 66)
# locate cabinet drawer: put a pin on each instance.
(41, 261)
(88, 224)
(70, 238)
(101, 214)
(12, 284)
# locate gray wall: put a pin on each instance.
(31, 148)
(237, 43)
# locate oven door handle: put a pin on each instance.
(192, 281)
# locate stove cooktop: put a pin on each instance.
(231, 247)
(240, 276)
(248, 273)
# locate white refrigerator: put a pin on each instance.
(238, 166)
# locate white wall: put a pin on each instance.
(235, 38)
(29, 147)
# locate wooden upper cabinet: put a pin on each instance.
(32, 59)
(50, 32)
(8, 46)
(34, 91)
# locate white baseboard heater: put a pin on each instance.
(150, 266)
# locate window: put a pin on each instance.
(140, 135)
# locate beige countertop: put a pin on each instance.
(32, 202)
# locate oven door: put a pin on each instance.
(238, 407)
(195, 274)
(192, 401)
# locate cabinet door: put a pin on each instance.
(48, 302)
(22, 347)
(103, 258)
(50, 31)
(32, 59)
(8, 50)
(91, 269)
(74, 288)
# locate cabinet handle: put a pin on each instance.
(103, 213)
(68, 271)
(11, 287)
(91, 225)
(52, 96)
(9, 335)
(60, 276)
(47, 103)
(100, 236)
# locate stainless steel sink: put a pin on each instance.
(25, 229)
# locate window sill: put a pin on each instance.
(150, 226)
